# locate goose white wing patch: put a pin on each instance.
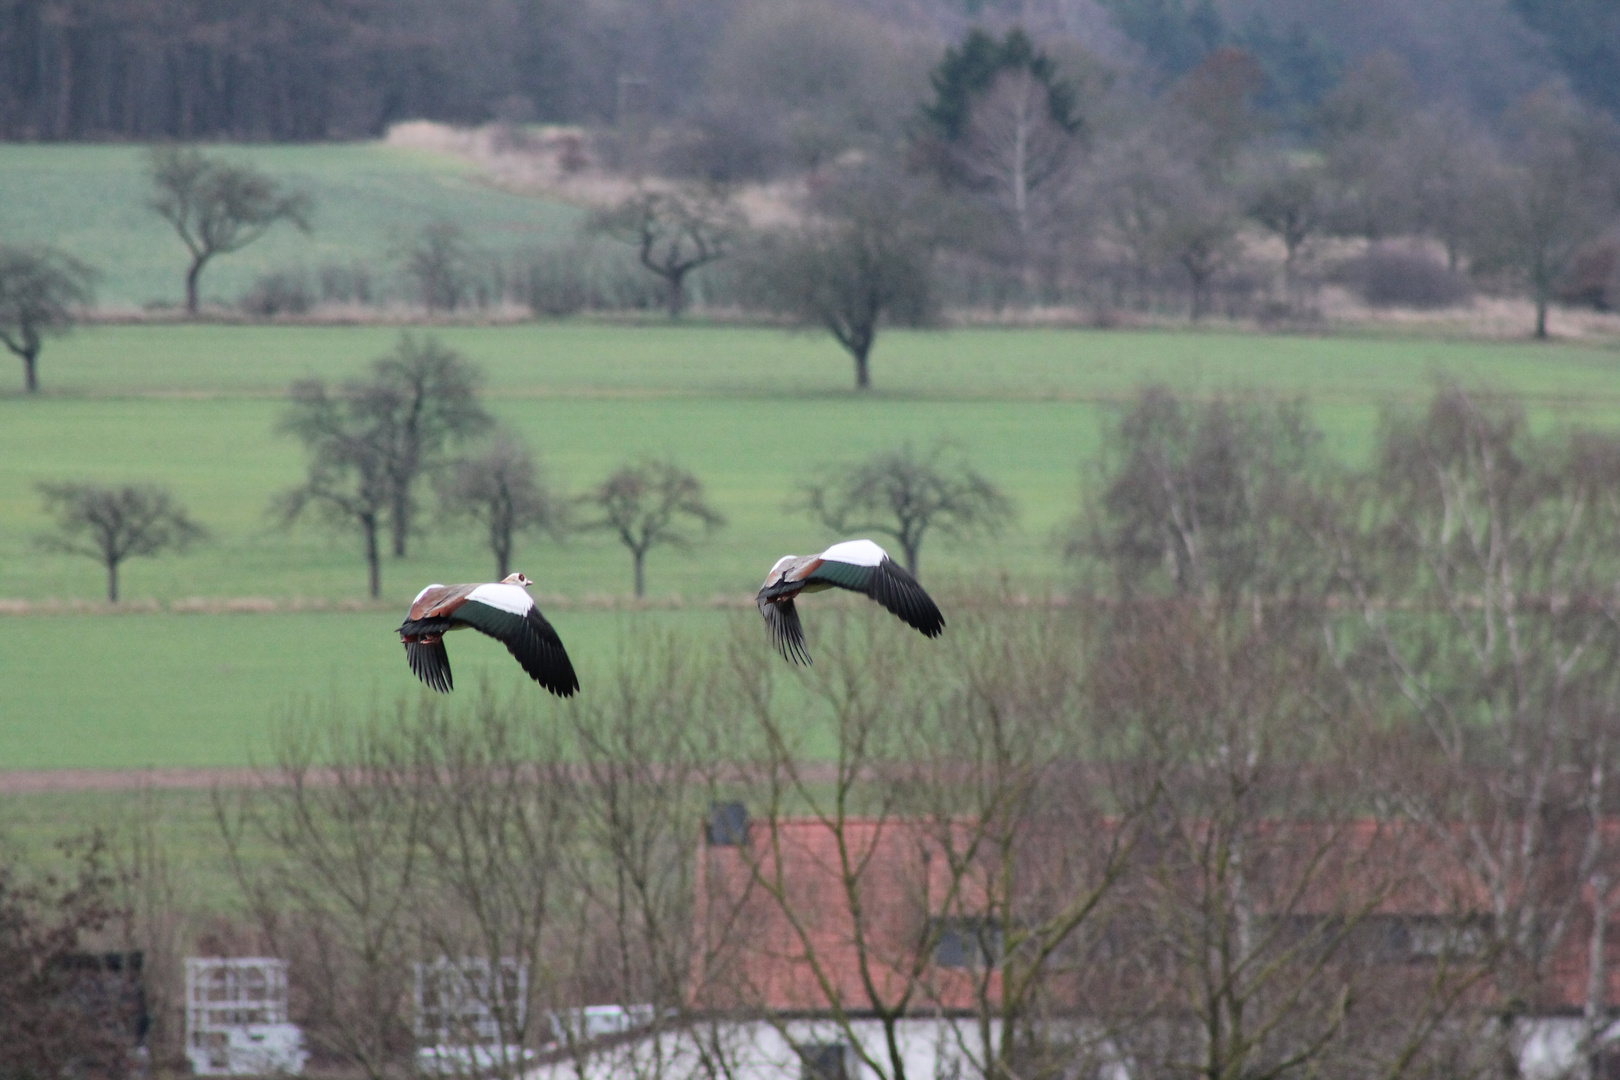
(425, 591)
(856, 553)
(509, 598)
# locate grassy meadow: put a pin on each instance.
(176, 679)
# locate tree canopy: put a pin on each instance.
(40, 288)
(217, 207)
(114, 524)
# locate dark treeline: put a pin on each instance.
(317, 69)
(298, 71)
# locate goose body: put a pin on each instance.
(503, 610)
(857, 565)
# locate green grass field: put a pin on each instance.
(91, 201)
(752, 411)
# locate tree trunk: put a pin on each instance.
(399, 522)
(112, 581)
(501, 543)
(373, 569)
(640, 558)
(676, 295)
(191, 284)
(1541, 316)
(31, 371)
(863, 377)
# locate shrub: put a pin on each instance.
(349, 284)
(1593, 279)
(551, 284)
(1397, 276)
(280, 292)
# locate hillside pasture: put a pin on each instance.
(91, 200)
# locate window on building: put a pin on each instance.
(823, 1061)
(965, 941)
(1382, 938)
(1408, 938)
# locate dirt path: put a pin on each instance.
(36, 781)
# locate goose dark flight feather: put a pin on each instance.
(857, 565)
(503, 610)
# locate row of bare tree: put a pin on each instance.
(1312, 777)
(373, 441)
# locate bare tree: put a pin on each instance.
(1016, 147)
(421, 398)
(504, 491)
(1262, 879)
(1449, 166)
(326, 854)
(348, 482)
(1011, 764)
(651, 504)
(1257, 907)
(497, 813)
(438, 262)
(39, 290)
(1481, 564)
(674, 233)
(1132, 181)
(1200, 233)
(218, 207)
(1558, 190)
(651, 760)
(1206, 499)
(111, 525)
(825, 900)
(864, 257)
(1287, 199)
(903, 494)
(1360, 127)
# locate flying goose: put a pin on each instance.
(505, 612)
(857, 565)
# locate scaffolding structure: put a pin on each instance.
(236, 1018)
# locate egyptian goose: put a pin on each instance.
(857, 565)
(504, 611)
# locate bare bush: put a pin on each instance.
(279, 292)
(1397, 275)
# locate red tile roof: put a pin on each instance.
(776, 924)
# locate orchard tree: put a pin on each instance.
(112, 525)
(218, 207)
(907, 495)
(421, 398)
(348, 483)
(863, 257)
(504, 491)
(438, 261)
(39, 290)
(651, 504)
(674, 233)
